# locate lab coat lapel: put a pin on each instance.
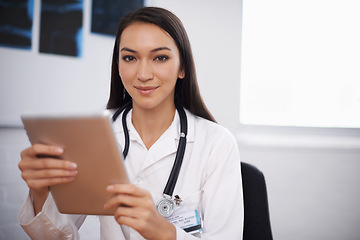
(165, 145)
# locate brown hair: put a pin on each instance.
(187, 93)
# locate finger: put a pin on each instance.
(138, 224)
(134, 212)
(129, 195)
(47, 163)
(41, 183)
(48, 173)
(41, 149)
(128, 221)
(129, 189)
(125, 211)
(124, 200)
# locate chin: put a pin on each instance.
(150, 104)
(146, 105)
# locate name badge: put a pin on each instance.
(190, 221)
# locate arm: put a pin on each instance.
(222, 199)
(39, 216)
(49, 223)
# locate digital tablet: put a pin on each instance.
(89, 141)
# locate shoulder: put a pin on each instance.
(207, 130)
(215, 144)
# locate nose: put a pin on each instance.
(145, 71)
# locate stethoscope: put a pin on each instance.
(166, 205)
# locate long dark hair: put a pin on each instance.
(187, 93)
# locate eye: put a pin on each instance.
(161, 58)
(128, 58)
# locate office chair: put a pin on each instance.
(256, 209)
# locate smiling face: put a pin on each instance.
(149, 65)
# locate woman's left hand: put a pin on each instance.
(136, 209)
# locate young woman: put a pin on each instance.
(183, 167)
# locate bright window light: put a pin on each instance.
(301, 63)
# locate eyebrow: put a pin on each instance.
(154, 50)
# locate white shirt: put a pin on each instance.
(209, 181)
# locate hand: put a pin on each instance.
(136, 209)
(41, 172)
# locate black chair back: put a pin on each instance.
(256, 209)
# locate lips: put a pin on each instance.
(145, 90)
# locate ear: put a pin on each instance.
(181, 74)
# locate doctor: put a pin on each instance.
(184, 167)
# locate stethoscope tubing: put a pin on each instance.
(170, 185)
(174, 174)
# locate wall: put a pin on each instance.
(312, 181)
(68, 84)
(82, 84)
(313, 190)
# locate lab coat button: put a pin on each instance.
(139, 180)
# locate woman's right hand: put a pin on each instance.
(40, 172)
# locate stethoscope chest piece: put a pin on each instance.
(166, 206)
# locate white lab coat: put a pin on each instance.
(209, 181)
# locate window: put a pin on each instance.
(300, 63)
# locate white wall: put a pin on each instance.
(67, 83)
(312, 182)
(82, 84)
(313, 191)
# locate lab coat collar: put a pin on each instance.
(176, 124)
(166, 144)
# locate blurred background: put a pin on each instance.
(282, 76)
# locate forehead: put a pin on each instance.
(143, 35)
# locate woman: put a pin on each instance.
(153, 78)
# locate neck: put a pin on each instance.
(152, 123)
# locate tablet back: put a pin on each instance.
(88, 141)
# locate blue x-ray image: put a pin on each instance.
(61, 27)
(16, 20)
(106, 14)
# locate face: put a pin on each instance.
(149, 65)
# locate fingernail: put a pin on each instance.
(73, 165)
(58, 150)
(110, 188)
